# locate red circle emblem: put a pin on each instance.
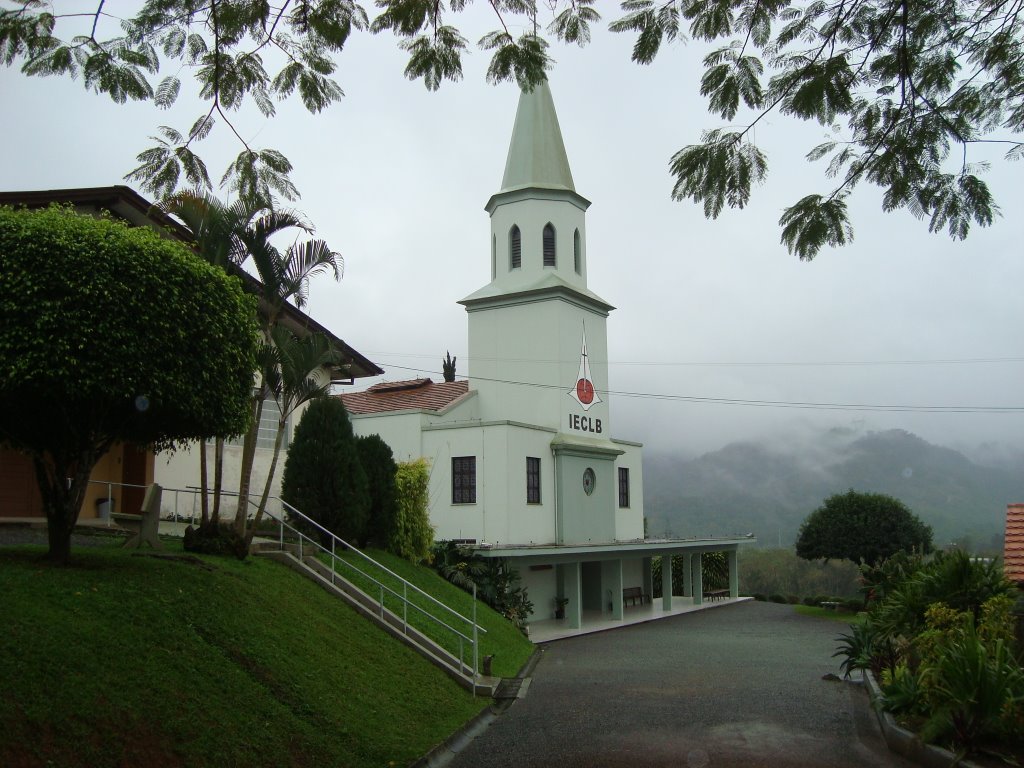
(585, 391)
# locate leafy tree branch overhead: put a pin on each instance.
(904, 90)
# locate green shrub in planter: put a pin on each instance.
(777, 598)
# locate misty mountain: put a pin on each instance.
(768, 489)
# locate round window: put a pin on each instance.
(589, 481)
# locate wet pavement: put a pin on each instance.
(737, 686)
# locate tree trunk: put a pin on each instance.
(248, 457)
(278, 439)
(218, 477)
(62, 485)
(203, 486)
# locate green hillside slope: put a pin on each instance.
(126, 660)
(769, 489)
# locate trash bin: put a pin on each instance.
(104, 507)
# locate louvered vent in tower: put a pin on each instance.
(549, 245)
(515, 248)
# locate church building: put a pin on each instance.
(524, 464)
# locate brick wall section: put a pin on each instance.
(1013, 552)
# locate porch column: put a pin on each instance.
(734, 574)
(573, 591)
(666, 582)
(611, 583)
(698, 580)
(687, 575)
(647, 574)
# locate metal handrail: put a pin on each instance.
(473, 626)
(335, 540)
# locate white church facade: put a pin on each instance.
(524, 464)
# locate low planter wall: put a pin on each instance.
(902, 741)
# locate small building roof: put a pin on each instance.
(1013, 552)
(409, 395)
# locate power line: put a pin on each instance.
(725, 364)
(753, 403)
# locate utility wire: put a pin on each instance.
(709, 364)
(759, 403)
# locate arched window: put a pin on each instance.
(576, 251)
(549, 245)
(494, 256)
(515, 248)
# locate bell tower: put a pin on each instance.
(537, 334)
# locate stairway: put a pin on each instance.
(313, 569)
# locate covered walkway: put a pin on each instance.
(598, 621)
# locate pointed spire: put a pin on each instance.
(536, 154)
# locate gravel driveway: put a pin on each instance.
(739, 685)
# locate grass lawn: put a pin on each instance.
(843, 617)
(508, 645)
(122, 660)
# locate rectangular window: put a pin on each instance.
(267, 434)
(532, 480)
(623, 486)
(464, 480)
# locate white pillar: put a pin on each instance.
(666, 582)
(611, 583)
(698, 580)
(734, 574)
(687, 575)
(573, 591)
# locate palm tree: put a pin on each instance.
(284, 277)
(231, 236)
(292, 369)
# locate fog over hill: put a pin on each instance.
(769, 488)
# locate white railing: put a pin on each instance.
(465, 632)
(470, 631)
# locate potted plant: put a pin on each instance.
(560, 603)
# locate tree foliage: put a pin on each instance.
(868, 527)
(905, 89)
(379, 465)
(109, 334)
(413, 535)
(323, 478)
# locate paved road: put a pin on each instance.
(739, 685)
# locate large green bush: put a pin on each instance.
(866, 527)
(323, 478)
(378, 463)
(110, 333)
(413, 535)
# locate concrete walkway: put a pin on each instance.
(737, 686)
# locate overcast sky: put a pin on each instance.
(395, 178)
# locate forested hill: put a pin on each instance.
(768, 489)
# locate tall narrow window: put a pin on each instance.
(549, 245)
(576, 251)
(494, 256)
(623, 486)
(515, 248)
(464, 480)
(532, 480)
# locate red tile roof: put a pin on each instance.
(1013, 553)
(414, 394)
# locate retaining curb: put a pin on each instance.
(443, 753)
(903, 742)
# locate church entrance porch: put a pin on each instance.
(548, 630)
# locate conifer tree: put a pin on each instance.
(323, 478)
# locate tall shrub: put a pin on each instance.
(379, 465)
(323, 478)
(413, 535)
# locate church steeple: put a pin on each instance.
(536, 154)
(538, 220)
